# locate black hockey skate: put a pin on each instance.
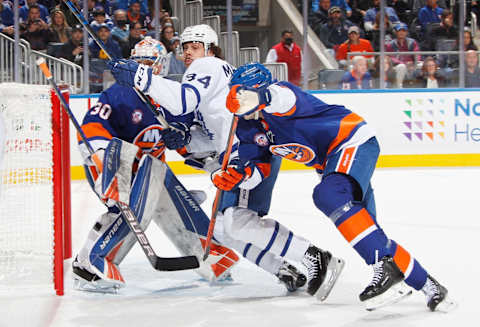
(291, 277)
(323, 271)
(437, 296)
(387, 286)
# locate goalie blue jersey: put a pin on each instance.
(300, 127)
(121, 113)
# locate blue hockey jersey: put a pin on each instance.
(120, 113)
(299, 127)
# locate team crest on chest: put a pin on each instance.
(137, 116)
(260, 139)
(293, 151)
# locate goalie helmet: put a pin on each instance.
(252, 75)
(199, 33)
(150, 52)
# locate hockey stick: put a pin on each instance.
(218, 195)
(158, 263)
(100, 43)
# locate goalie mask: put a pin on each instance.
(199, 33)
(152, 53)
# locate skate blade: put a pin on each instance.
(95, 287)
(446, 305)
(334, 269)
(394, 294)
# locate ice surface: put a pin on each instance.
(433, 213)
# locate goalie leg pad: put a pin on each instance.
(267, 234)
(94, 263)
(157, 192)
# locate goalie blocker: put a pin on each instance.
(154, 194)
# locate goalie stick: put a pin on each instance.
(158, 263)
(89, 30)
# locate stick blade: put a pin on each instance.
(178, 263)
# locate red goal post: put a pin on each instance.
(35, 210)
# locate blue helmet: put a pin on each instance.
(252, 75)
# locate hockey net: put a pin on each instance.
(34, 188)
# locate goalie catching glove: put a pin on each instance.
(237, 175)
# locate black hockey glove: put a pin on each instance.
(176, 136)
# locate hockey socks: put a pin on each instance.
(362, 232)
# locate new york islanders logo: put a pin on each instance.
(260, 139)
(293, 151)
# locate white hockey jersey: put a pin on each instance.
(203, 91)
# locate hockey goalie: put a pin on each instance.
(127, 138)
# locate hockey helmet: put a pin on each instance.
(252, 75)
(199, 33)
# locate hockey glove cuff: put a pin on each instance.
(243, 100)
(176, 136)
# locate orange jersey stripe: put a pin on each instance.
(401, 258)
(347, 124)
(94, 130)
(346, 160)
(356, 224)
(288, 113)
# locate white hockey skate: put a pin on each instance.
(323, 271)
(85, 280)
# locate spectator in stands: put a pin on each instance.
(431, 13)
(91, 5)
(35, 30)
(168, 32)
(353, 44)
(59, 30)
(359, 9)
(446, 30)
(111, 45)
(134, 37)
(24, 11)
(165, 11)
(319, 16)
(419, 4)
(134, 14)
(73, 49)
(468, 40)
(472, 72)
(358, 77)
(430, 77)
(402, 9)
(99, 19)
(404, 65)
(288, 52)
(6, 18)
(71, 20)
(143, 5)
(335, 31)
(371, 13)
(120, 31)
(389, 76)
(374, 34)
(176, 65)
(342, 4)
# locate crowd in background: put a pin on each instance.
(50, 27)
(343, 26)
(346, 26)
